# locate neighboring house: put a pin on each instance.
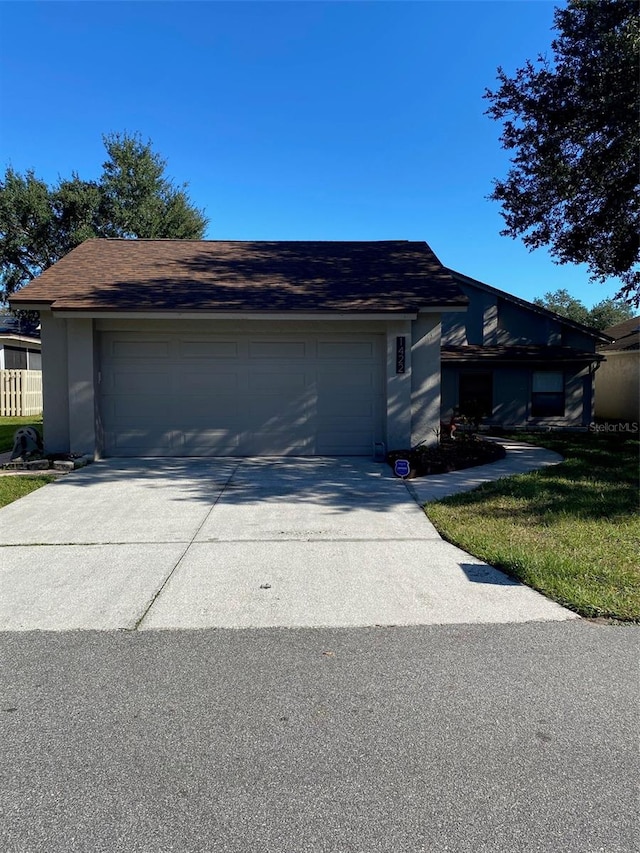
(518, 364)
(212, 348)
(19, 345)
(618, 379)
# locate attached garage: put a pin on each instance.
(217, 348)
(240, 395)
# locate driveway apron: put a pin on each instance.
(235, 543)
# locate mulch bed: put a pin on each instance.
(448, 455)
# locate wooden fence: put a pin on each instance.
(20, 393)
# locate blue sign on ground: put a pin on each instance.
(401, 468)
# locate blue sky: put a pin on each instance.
(291, 120)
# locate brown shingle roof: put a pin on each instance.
(186, 275)
(533, 354)
(626, 336)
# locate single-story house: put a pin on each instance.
(20, 347)
(206, 348)
(618, 379)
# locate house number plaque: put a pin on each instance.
(401, 343)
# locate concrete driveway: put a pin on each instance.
(162, 544)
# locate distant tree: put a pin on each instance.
(564, 304)
(573, 124)
(138, 200)
(609, 312)
(601, 316)
(133, 198)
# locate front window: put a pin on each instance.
(547, 395)
(15, 358)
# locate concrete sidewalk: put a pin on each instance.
(170, 543)
(521, 458)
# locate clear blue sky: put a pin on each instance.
(291, 120)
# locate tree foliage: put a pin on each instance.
(132, 198)
(601, 316)
(573, 124)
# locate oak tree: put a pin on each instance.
(572, 123)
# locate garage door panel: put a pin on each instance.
(140, 349)
(136, 442)
(208, 381)
(223, 411)
(355, 443)
(139, 409)
(359, 380)
(208, 442)
(208, 349)
(274, 443)
(265, 384)
(277, 349)
(151, 380)
(339, 409)
(346, 349)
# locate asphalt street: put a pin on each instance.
(504, 737)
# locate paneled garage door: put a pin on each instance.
(190, 395)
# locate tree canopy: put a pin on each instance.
(132, 198)
(573, 124)
(601, 316)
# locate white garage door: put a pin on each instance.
(190, 395)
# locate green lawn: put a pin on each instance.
(571, 531)
(16, 486)
(8, 426)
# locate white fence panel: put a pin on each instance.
(20, 393)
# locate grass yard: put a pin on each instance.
(571, 531)
(16, 486)
(8, 426)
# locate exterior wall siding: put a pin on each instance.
(512, 388)
(617, 387)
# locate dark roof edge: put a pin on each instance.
(195, 240)
(538, 309)
(457, 354)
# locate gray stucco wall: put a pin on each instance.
(81, 377)
(55, 384)
(617, 387)
(425, 384)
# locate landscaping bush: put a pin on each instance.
(448, 455)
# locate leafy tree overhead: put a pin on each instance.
(132, 198)
(573, 125)
(601, 316)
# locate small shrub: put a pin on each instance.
(448, 455)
